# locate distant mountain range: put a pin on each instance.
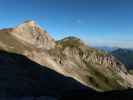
(125, 56)
(34, 63)
(110, 49)
(106, 48)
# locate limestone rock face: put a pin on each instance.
(33, 34)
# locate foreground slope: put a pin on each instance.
(23, 79)
(69, 57)
(20, 76)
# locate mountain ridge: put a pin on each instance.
(70, 57)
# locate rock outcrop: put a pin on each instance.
(33, 34)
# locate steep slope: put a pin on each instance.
(20, 76)
(69, 57)
(125, 56)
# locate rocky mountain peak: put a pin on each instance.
(31, 23)
(32, 33)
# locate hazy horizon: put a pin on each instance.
(97, 22)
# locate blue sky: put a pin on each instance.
(97, 22)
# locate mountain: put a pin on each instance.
(70, 57)
(106, 48)
(125, 56)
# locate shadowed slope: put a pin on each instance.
(87, 95)
(21, 77)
